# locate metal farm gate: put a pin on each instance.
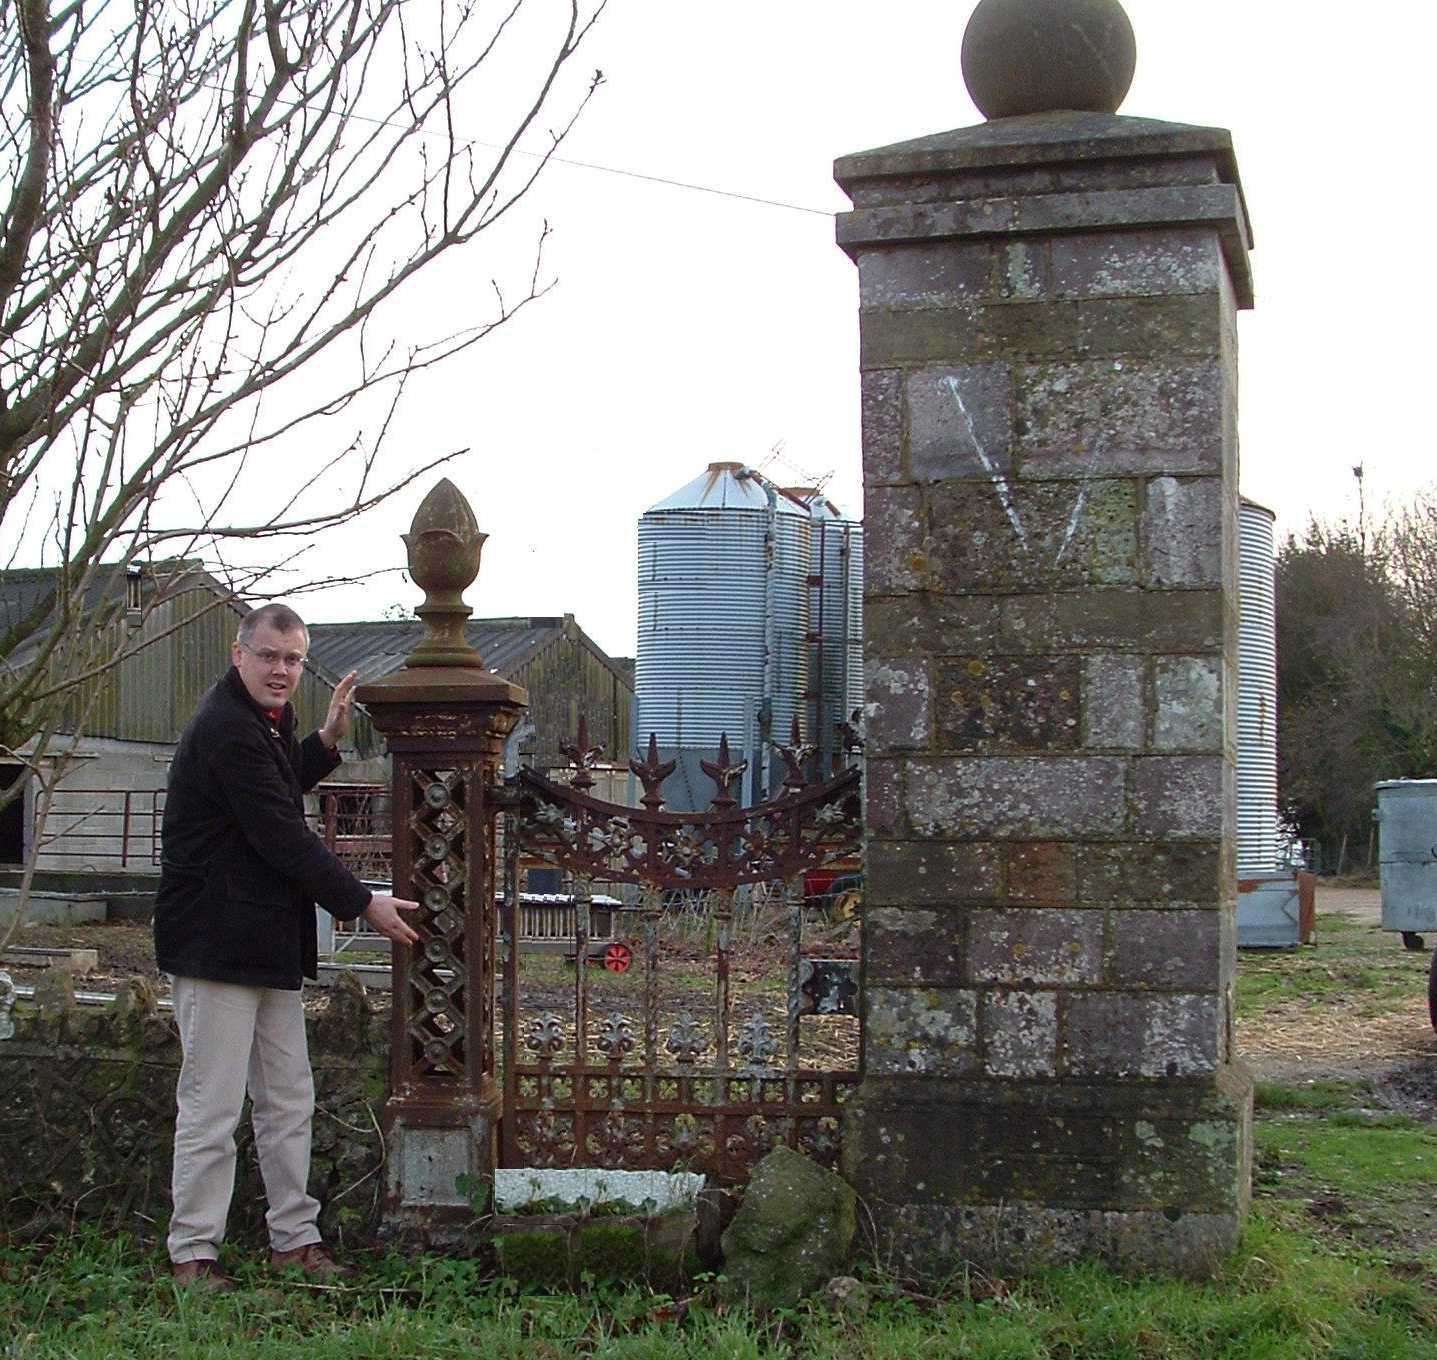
(721, 1017)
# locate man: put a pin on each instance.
(234, 925)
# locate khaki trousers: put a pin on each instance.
(236, 1039)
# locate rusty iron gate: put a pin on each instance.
(621, 1066)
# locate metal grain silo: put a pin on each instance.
(722, 628)
(1256, 693)
(835, 658)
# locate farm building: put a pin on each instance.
(175, 624)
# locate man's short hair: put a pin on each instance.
(280, 617)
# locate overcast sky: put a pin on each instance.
(687, 326)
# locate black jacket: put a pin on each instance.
(241, 870)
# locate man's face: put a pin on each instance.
(270, 664)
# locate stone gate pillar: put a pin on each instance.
(1049, 370)
(445, 718)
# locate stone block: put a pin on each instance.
(1113, 702)
(883, 795)
(899, 704)
(1024, 269)
(999, 704)
(997, 535)
(1196, 874)
(1136, 263)
(1178, 951)
(895, 540)
(930, 1031)
(1015, 798)
(1180, 326)
(1188, 703)
(1112, 620)
(1042, 874)
(929, 624)
(1119, 417)
(928, 873)
(1020, 947)
(1183, 532)
(936, 274)
(960, 421)
(907, 948)
(1178, 797)
(1117, 1034)
(881, 408)
(1020, 1033)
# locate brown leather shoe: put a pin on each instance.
(203, 1275)
(313, 1259)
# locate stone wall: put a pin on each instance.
(87, 1107)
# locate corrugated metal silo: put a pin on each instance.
(835, 660)
(1256, 693)
(723, 623)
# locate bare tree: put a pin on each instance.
(210, 205)
(207, 196)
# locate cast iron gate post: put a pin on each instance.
(445, 718)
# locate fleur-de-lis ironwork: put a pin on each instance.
(687, 1040)
(756, 1043)
(723, 772)
(616, 1037)
(795, 756)
(581, 756)
(652, 772)
(545, 1036)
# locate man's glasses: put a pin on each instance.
(269, 657)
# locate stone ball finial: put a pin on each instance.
(1042, 56)
(444, 543)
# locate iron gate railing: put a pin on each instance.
(661, 1064)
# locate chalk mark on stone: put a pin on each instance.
(1075, 518)
(1000, 483)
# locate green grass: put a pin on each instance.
(1283, 1296)
(1353, 965)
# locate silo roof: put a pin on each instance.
(725, 486)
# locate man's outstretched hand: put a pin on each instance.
(383, 913)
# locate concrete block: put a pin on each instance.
(1112, 702)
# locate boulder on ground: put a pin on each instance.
(791, 1234)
